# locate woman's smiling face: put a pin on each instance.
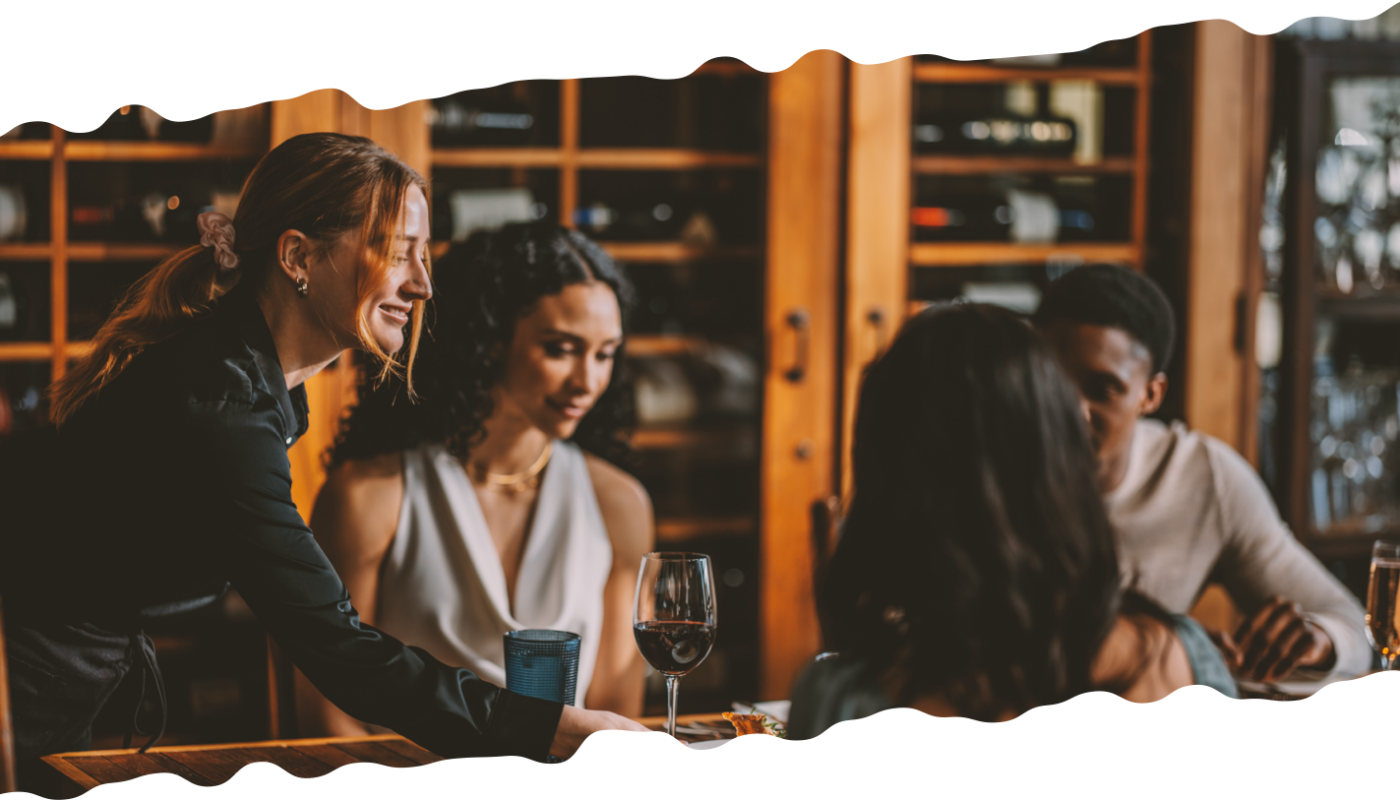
(561, 357)
(386, 311)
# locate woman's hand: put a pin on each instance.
(576, 724)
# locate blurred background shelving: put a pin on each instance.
(82, 217)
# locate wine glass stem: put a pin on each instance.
(673, 683)
(1387, 662)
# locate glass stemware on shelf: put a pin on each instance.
(1354, 433)
(1357, 185)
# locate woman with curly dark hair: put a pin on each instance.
(495, 503)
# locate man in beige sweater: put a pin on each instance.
(1189, 510)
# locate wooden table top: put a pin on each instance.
(212, 764)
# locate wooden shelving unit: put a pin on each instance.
(1307, 117)
(58, 252)
(1135, 166)
(939, 72)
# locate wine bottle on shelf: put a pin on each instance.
(1002, 133)
(1012, 215)
(1016, 120)
(474, 120)
(159, 128)
(639, 219)
(14, 213)
(152, 216)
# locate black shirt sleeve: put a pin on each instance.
(269, 555)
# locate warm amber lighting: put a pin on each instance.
(125, 110)
(173, 203)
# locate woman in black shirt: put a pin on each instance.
(166, 477)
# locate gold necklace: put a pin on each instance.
(520, 481)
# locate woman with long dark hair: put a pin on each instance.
(495, 503)
(976, 573)
(166, 477)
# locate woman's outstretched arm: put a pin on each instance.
(354, 520)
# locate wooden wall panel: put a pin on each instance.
(877, 227)
(1226, 183)
(799, 417)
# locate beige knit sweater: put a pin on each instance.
(1191, 511)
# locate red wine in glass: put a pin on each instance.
(674, 648)
(673, 617)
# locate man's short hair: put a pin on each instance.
(1113, 297)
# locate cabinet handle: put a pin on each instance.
(880, 320)
(801, 323)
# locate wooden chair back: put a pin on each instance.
(826, 530)
(7, 733)
(281, 694)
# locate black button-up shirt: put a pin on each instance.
(174, 482)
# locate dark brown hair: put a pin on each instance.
(977, 562)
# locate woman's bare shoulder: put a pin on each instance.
(360, 499)
(624, 504)
(1142, 659)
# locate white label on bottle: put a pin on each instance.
(12, 213)
(488, 209)
(1034, 217)
(151, 121)
(9, 308)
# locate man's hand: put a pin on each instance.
(1275, 641)
(576, 724)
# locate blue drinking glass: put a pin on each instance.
(543, 664)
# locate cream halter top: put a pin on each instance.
(442, 586)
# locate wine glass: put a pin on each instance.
(1383, 602)
(673, 618)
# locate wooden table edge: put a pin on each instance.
(178, 748)
(79, 778)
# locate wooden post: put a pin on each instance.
(1225, 184)
(877, 227)
(802, 320)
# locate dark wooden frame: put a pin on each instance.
(1307, 66)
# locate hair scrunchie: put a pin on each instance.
(216, 231)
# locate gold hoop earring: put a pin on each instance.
(302, 287)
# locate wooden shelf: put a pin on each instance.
(979, 165)
(737, 439)
(676, 252)
(74, 350)
(647, 252)
(93, 150)
(1377, 309)
(25, 351)
(650, 346)
(497, 157)
(26, 251)
(610, 158)
(680, 529)
(118, 251)
(973, 254)
(990, 73)
(26, 150)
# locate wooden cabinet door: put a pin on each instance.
(877, 228)
(801, 320)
